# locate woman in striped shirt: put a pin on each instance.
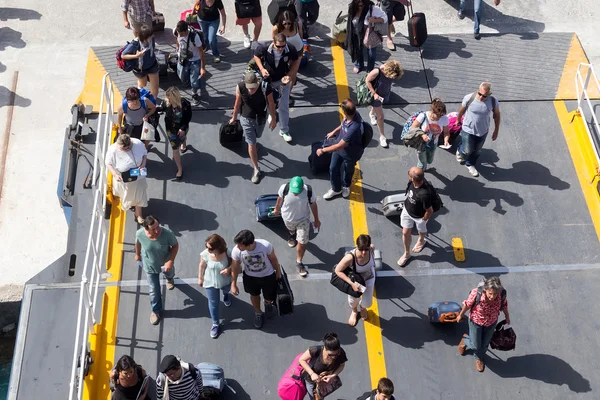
(178, 380)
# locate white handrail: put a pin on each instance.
(92, 272)
(583, 98)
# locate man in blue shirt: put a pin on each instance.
(347, 150)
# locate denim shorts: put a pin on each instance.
(145, 72)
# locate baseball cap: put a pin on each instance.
(296, 185)
(251, 80)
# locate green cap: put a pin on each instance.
(296, 185)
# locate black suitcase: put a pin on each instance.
(158, 22)
(319, 165)
(264, 205)
(230, 134)
(417, 28)
(163, 63)
(285, 296)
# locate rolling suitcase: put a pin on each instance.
(319, 165)
(163, 63)
(443, 311)
(213, 379)
(392, 205)
(417, 28)
(230, 134)
(158, 22)
(264, 207)
(285, 296)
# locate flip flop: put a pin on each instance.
(183, 150)
(352, 313)
(402, 261)
(419, 248)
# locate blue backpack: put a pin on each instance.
(409, 123)
(144, 94)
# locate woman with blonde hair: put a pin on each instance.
(178, 114)
(126, 161)
(379, 82)
(433, 123)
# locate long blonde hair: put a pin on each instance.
(173, 97)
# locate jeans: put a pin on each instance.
(426, 156)
(154, 289)
(479, 338)
(371, 55)
(310, 388)
(210, 29)
(189, 73)
(214, 299)
(470, 147)
(340, 166)
(477, 9)
(283, 109)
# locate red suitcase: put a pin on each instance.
(417, 28)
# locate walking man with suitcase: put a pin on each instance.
(261, 271)
(477, 108)
(417, 211)
(137, 13)
(477, 14)
(191, 66)
(295, 202)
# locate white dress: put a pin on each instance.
(132, 194)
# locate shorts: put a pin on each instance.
(175, 139)
(396, 10)
(252, 129)
(135, 131)
(253, 285)
(246, 21)
(406, 221)
(302, 229)
(145, 72)
(137, 25)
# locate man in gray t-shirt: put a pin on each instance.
(477, 108)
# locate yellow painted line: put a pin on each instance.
(358, 212)
(103, 342)
(458, 248)
(566, 86)
(92, 86)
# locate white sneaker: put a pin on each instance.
(247, 42)
(383, 141)
(345, 192)
(285, 135)
(373, 119)
(459, 157)
(331, 194)
(473, 171)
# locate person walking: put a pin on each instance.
(261, 271)
(191, 66)
(476, 108)
(178, 114)
(322, 366)
(214, 274)
(346, 152)
(253, 99)
(379, 82)
(292, 30)
(129, 380)
(417, 211)
(178, 380)
(211, 14)
(477, 15)
(133, 111)
(384, 391)
(433, 123)
(360, 258)
(395, 11)
(308, 13)
(278, 63)
(155, 250)
(137, 13)
(122, 159)
(484, 305)
(247, 11)
(145, 52)
(361, 13)
(295, 201)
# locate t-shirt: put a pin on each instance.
(254, 105)
(188, 388)
(256, 262)
(295, 207)
(279, 69)
(149, 58)
(351, 133)
(131, 392)
(478, 115)
(206, 13)
(417, 200)
(195, 42)
(125, 160)
(317, 365)
(155, 253)
(212, 275)
(432, 128)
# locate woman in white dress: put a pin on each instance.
(124, 160)
(362, 258)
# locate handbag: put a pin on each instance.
(291, 386)
(504, 337)
(126, 175)
(148, 131)
(247, 9)
(324, 389)
(351, 273)
(372, 37)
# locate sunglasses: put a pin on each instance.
(287, 24)
(279, 47)
(333, 355)
(364, 249)
(484, 95)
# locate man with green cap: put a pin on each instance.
(295, 202)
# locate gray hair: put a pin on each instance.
(494, 284)
(124, 140)
(486, 86)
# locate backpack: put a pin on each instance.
(367, 134)
(191, 37)
(213, 379)
(338, 31)
(412, 137)
(309, 192)
(436, 200)
(276, 7)
(127, 65)
(144, 94)
(364, 97)
(480, 292)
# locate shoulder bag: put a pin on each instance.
(351, 273)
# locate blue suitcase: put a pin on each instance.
(264, 205)
(443, 311)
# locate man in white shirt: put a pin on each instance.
(190, 68)
(260, 273)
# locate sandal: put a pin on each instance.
(140, 220)
(356, 70)
(353, 320)
(419, 247)
(183, 149)
(403, 260)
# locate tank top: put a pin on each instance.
(135, 117)
(296, 41)
(367, 271)
(384, 85)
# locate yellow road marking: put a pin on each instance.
(566, 86)
(92, 85)
(459, 250)
(373, 335)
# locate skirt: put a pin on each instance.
(132, 194)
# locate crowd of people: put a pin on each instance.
(261, 98)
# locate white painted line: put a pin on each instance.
(15, 375)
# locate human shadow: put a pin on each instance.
(208, 162)
(8, 98)
(397, 287)
(440, 47)
(284, 168)
(540, 367)
(313, 127)
(11, 38)
(194, 306)
(327, 259)
(234, 391)
(22, 14)
(181, 217)
(524, 173)
(475, 260)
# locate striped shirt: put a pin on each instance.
(138, 9)
(188, 388)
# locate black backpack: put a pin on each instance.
(309, 191)
(276, 7)
(436, 200)
(367, 134)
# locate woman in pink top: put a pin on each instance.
(483, 316)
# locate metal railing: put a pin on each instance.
(94, 262)
(586, 80)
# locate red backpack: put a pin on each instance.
(129, 48)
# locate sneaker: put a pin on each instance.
(462, 347)
(302, 271)
(459, 157)
(247, 42)
(217, 60)
(154, 318)
(461, 15)
(472, 170)
(373, 118)
(292, 242)
(331, 194)
(286, 136)
(227, 300)
(477, 36)
(195, 100)
(214, 331)
(258, 320)
(170, 284)
(256, 176)
(345, 192)
(383, 142)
